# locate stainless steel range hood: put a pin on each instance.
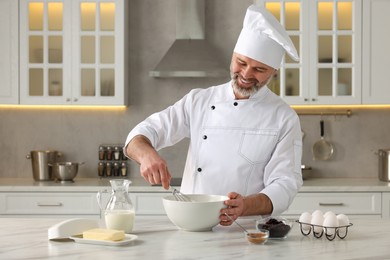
(190, 55)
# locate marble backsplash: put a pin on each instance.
(77, 135)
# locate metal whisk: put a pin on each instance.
(179, 196)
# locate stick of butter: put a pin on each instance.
(104, 234)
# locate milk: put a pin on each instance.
(120, 220)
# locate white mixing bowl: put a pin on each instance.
(201, 214)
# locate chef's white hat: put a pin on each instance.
(264, 39)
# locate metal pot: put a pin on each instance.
(65, 171)
(306, 172)
(40, 164)
(384, 164)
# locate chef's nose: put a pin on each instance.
(246, 72)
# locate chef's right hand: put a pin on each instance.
(154, 169)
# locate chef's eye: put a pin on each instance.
(241, 62)
(261, 70)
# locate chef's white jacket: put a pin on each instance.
(247, 146)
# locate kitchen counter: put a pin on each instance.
(139, 185)
(345, 185)
(79, 185)
(158, 238)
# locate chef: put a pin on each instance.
(245, 142)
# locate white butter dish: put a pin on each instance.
(71, 227)
(127, 240)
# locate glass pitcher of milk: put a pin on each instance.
(119, 212)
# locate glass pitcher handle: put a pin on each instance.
(99, 198)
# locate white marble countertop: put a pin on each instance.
(158, 238)
(139, 185)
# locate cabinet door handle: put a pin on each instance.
(49, 204)
(331, 204)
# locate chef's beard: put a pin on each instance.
(247, 91)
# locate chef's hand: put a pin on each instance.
(153, 167)
(235, 208)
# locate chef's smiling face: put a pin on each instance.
(249, 75)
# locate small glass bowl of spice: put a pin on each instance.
(257, 237)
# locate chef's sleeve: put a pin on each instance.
(282, 174)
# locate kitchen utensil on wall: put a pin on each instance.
(40, 164)
(322, 150)
(384, 161)
(119, 212)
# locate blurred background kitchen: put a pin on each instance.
(78, 132)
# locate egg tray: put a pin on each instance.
(338, 231)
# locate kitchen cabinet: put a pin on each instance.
(386, 205)
(145, 203)
(22, 204)
(327, 35)
(349, 203)
(48, 203)
(376, 57)
(9, 59)
(148, 203)
(367, 197)
(74, 204)
(73, 52)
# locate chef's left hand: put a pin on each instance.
(235, 208)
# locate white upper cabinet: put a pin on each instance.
(72, 52)
(9, 42)
(327, 35)
(376, 54)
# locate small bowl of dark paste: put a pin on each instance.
(278, 227)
